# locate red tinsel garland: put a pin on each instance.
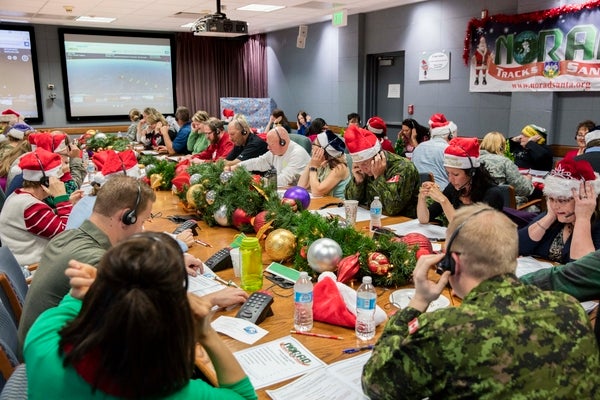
(518, 18)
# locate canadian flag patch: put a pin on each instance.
(394, 179)
(413, 326)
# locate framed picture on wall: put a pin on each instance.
(434, 66)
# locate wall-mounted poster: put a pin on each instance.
(434, 66)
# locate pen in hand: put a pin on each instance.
(202, 243)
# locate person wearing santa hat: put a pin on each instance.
(469, 182)
(27, 222)
(569, 229)
(378, 126)
(376, 172)
(428, 157)
(529, 149)
(8, 118)
(506, 340)
(14, 135)
(327, 173)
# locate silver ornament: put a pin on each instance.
(221, 216)
(100, 136)
(225, 176)
(211, 196)
(195, 178)
(324, 255)
(149, 169)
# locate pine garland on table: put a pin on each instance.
(162, 170)
(103, 141)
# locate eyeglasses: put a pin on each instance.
(580, 136)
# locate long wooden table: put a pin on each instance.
(280, 324)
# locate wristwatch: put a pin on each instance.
(312, 169)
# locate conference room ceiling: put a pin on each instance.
(170, 15)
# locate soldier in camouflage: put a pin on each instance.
(380, 173)
(507, 340)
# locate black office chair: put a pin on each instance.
(13, 285)
(8, 346)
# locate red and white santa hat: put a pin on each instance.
(38, 163)
(55, 142)
(110, 163)
(440, 126)
(10, 111)
(592, 135)
(377, 126)
(228, 113)
(462, 152)
(361, 143)
(568, 174)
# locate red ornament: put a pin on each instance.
(348, 267)
(418, 239)
(303, 251)
(378, 263)
(240, 218)
(259, 220)
(290, 202)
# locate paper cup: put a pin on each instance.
(351, 208)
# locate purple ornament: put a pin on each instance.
(298, 193)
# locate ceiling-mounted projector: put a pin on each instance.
(219, 25)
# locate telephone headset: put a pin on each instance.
(472, 169)
(130, 216)
(282, 141)
(45, 180)
(448, 263)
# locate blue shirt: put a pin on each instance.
(180, 142)
(429, 157)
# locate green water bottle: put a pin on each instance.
(251, 267)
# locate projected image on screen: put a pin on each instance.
(18, 80)
(109, 75)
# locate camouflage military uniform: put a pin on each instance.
(397, 188)
(506, 340)
(504, 171)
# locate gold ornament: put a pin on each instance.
(280, 244)
(189, 196)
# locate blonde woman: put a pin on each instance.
(197, 140)
(501, 168)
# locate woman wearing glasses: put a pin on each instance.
(570, 228)
(113, 336)
(582, 129)
(327, 173)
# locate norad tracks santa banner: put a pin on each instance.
(549, 50)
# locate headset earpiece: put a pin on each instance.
(130, 216)
(282, 142)
(45, 180)
(448, 263)
(244, 132)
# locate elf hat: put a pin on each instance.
(592, 135)
(377, 126)
(18, 130)
(331, 143)
(439, 126)
(568, 174)
(531, 130)
(462, 152)
(362, 144)
(38, 163)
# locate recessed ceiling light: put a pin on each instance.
(260, 7)
(104, 20)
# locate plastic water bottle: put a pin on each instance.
(303, 303)
(251, 267)
(365, 310)
(91, 170)
(376, 207)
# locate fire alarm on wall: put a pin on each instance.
(411, 109)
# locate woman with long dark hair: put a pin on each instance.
(409, 137)
(129, 331)
(469, 182)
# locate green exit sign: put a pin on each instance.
(340, 18)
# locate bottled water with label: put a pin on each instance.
(376, 207)
(303, 303)
(365, 310)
